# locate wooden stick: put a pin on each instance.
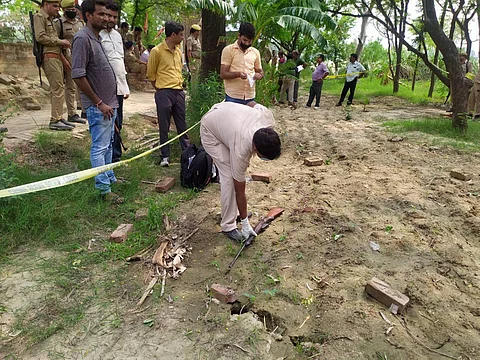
(147, 291)
(139, 255)
(308, 317)
(163, 282)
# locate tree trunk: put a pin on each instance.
(363, 35)
(213, 42)
(458, 86)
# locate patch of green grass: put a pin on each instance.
(72, 223)
(442, 131)
(370, 87)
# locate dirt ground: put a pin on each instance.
(301, 284)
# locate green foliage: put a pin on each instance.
(7, 165)
(15, 22)
(267, 88)
(203, 95)
(441, 131)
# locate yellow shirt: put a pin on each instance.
(240, 61)
(165, 67)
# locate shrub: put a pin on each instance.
(202, 95)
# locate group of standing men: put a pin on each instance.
(90, 56)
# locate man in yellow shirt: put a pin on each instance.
(164, 70)
(241, 66)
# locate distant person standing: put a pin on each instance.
(241, 66)
(136, 37)
(320, 73)
(194, 48)
(300, 64)
(274, 58)
(164, 70)
(46, 35)
(124, 31)
(355, 70)
(113, 45)
(95, 77)
(67, 26)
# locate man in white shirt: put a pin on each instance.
(112, 43)
(355, 70)
(231, 144)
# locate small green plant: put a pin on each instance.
(250, 297)
(299, 256)
(148, 322)
(271, 293)
(215, 264)
(388, 229)
(328, 161)
(282, 237)
(336, 237)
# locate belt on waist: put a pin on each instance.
(52, 56)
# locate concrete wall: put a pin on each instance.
(17, 59)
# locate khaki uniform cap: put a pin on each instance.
(67, 3)
(196, 27)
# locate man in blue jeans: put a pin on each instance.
(95, 77)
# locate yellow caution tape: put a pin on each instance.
(342, 75)
(79, 175)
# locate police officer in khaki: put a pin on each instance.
(194, 48)
(46, 34)
(66, 27)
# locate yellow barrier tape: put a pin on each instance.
(342, 75)
(78, 176)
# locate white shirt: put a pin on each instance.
(112, 43)
(145, 55)
(353, 70)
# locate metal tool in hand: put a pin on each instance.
(261, 225)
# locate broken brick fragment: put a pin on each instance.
(313, 161)
(121, 233)
(382, 292)
(223, 293)
(165, 185)
(266, 178)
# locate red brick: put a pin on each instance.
(165, 185)
(223, 293)
(121, 233)
(313, 161)
(262, 177)
(382, 292)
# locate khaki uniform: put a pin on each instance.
(46, 34)
(474, 97)
(70, 28)
(195, 47)
(124, 34)
(133, 66)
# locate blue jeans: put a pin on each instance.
(101, 131)
(237, 101)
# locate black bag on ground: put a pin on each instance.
(196, 168)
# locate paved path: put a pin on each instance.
(23, 126)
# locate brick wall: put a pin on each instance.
(17, 59)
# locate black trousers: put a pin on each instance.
(117, 147)
(348, 86)
(315, 92)
(295, 90)
(171, 102)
